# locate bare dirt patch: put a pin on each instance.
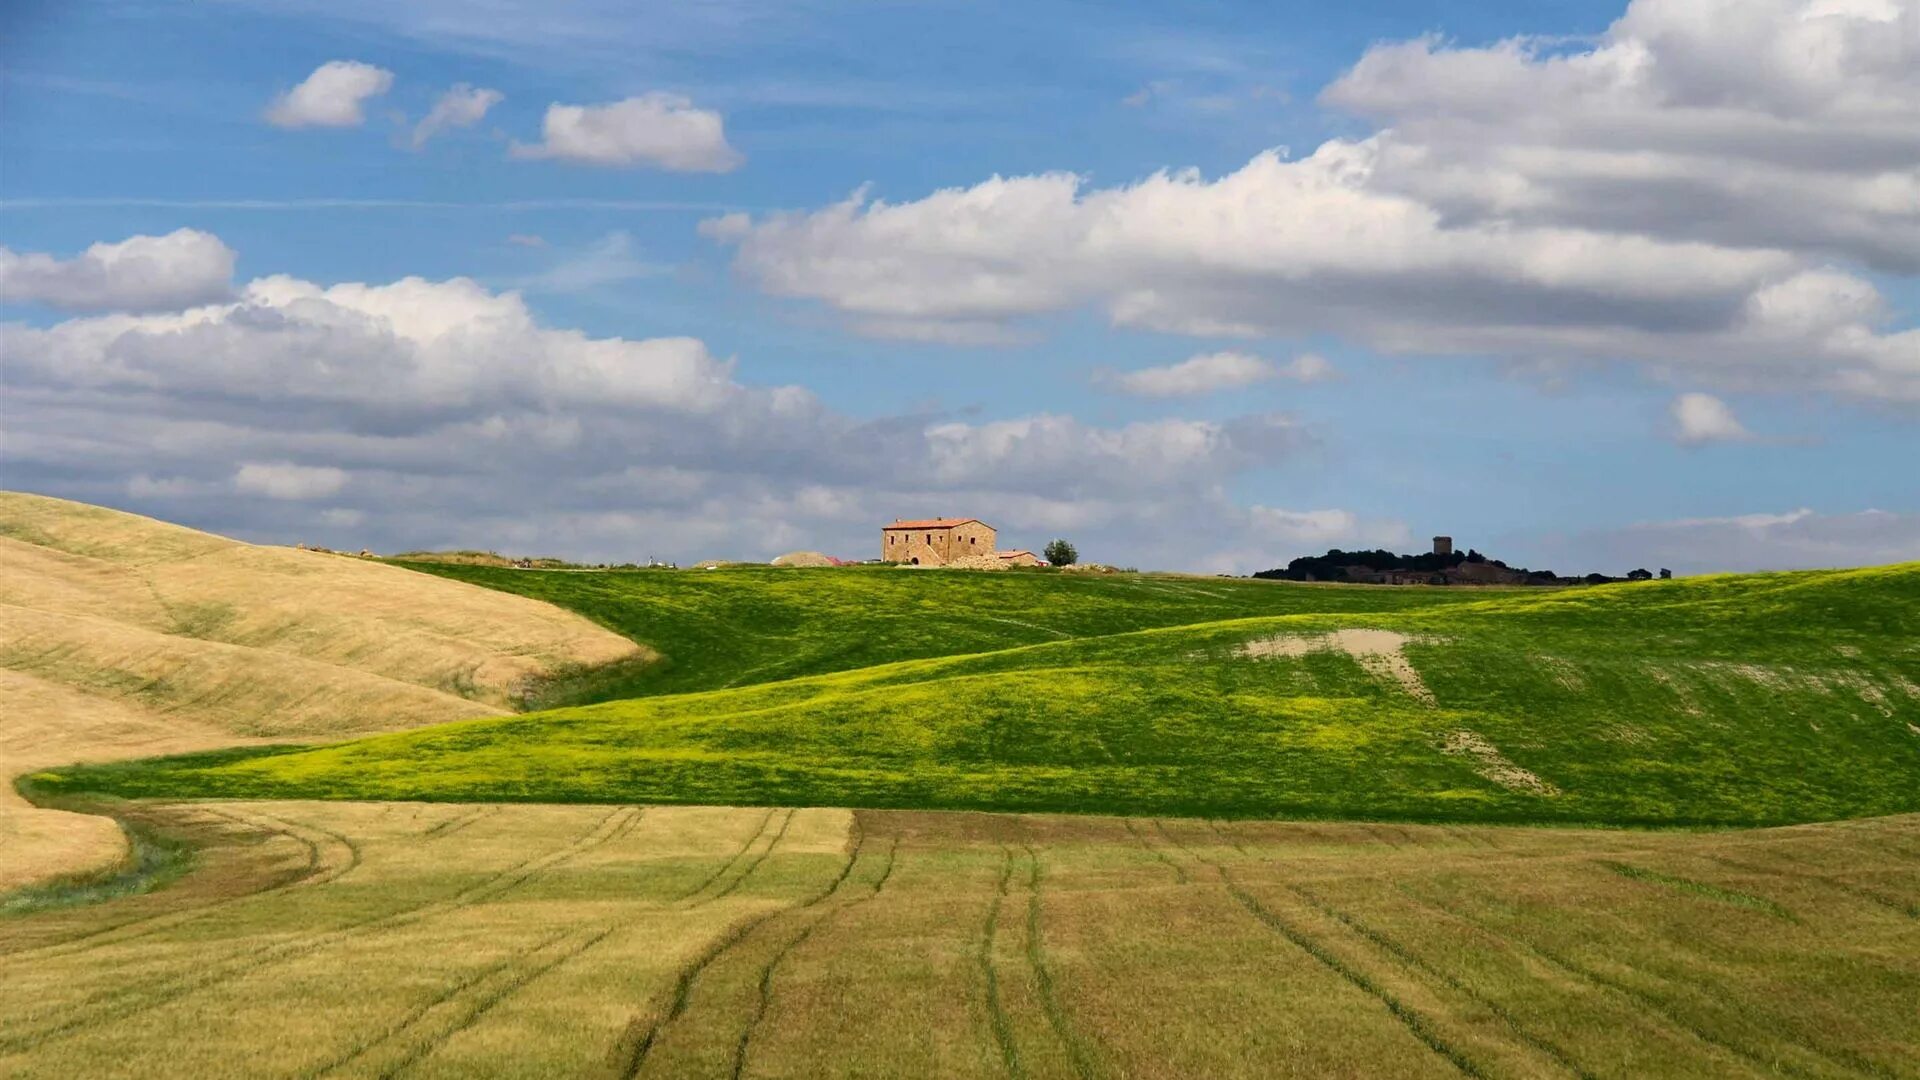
(1380, 652)
(1687, 703)
(1494, 765)
(1565, 675)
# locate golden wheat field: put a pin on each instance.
(122, 636)
(396, 939)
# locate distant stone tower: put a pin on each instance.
(1443, 545)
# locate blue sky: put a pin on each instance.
(1508, 303)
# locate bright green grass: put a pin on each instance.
(1731, 700)
(740, 626)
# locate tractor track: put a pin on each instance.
(131, 1001)
(996, 1010)
(631, 1050)
(738, 854)
(1412, 1020)
(1651, 1005)
(1084, 1065)
(747, 872)
(317, 871)
(1910, 909)
(549, 953)
(1411, 960)
(767, 973)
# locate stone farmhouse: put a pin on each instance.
(935, 541)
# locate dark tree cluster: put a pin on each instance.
(1333, 565)
(1338, 565)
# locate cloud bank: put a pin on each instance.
(1653, 199)
(421, 413)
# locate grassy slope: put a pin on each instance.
(1728, 700)
(735, 627)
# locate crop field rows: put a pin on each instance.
(405, 939)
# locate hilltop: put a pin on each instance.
(1728, 700)
(122, 635)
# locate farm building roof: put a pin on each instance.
(1014, 554)
(931, 523)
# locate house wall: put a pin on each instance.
(936, 547)
(972, 538)
(1026, 559)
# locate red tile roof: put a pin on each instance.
(1015, 553)
(931, 523)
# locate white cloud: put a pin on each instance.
(1310, 368)
(532, 240)
(660, 130)
(1653, 199)
(1201, 374)
(140, 273)
(1058, 452)
(1210, 372)
(335, 95)
(1778, 123)
(286, 480)
(1797, 539)
(446, 414)
(1703, 418)
(461, 106)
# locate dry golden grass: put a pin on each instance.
(122, 636)
(383, 939)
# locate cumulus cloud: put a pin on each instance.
(140, 273)
(437, 413)
(1618, 203)
(461, 106)
(1782, 123)
(660, 130)
(1209, 372)
(286, 480)
(335, 95)
(1703, 418)
(1790, 540)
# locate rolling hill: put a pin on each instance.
(1729, 700)
(121, 635)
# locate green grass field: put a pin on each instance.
(748, 625)
(1733, 700)
(343, 939)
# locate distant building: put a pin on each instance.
(1021, 558)
(1443, 545)
(935, 541)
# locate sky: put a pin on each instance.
(1207, 287)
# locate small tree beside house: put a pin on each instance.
(1060, 553)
